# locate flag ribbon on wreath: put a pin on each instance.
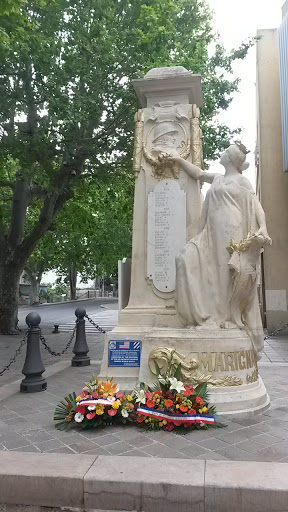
(187, 418)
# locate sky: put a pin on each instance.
(237, 21)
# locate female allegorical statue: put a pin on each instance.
(216, 272)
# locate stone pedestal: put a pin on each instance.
(223, 358)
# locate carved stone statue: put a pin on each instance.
(216, 272)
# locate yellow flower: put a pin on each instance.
(200, 411)
(160, 423)
(78, 398)
(146, 421)
(177, 406)
(116, 404)
(68, 418)
(164, 422)
(106, 389)
(129, 397)
(204, 409)
(99, 409)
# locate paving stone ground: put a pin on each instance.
(26, 421)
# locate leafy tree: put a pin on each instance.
(89, 235)
(67, 104)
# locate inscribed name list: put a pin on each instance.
(166, 233)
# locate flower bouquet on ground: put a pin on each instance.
(99, 403)
(172, 405)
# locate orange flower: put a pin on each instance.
(183, 408)
(150, 403)
(187, 392)
(168, 403)
(192, 411)
(199, 400)
(106, 389)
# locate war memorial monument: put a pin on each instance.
(193, 295)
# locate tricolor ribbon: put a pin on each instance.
(94, 401)
(175, 418)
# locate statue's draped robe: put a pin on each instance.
(204, 285)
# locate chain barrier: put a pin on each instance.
(95, 325)
(276, 332)
(52, 352)
(18, 351)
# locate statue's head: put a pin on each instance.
(236, 153)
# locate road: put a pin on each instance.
(64, 313)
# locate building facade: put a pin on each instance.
(272, 166)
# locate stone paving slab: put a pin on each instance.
(37, 482)
(26, 424)
(26, 421)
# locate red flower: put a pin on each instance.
(150, 403)
(192, 411)
(112, 412)
(199, 400)
(119, 395)
(168, 427)
(94, 394)
(187, 391)
(80, 409)
(168, 403)
(183, 408)
(186, 424)
(140, 418)
(149, 395)
(90, 415)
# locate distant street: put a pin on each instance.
(64, 313)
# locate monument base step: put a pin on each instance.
(224, 358)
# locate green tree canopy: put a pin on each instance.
(67, 104)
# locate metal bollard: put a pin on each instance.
(33, 366)
(81, 348)
(56, 329)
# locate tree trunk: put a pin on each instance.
(9, 294)
(72, 277)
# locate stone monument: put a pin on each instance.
(194, 266)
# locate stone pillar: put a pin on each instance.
(167, 202)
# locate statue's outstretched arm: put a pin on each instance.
(193, 171)
(261, 220)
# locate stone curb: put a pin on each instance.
(141, 484)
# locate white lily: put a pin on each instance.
(91, 407)
(124, 413)
(111, 399)
(176, 384)
(141, 397)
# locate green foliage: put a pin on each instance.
(63, 410)
(66, 110)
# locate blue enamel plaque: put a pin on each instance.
(124, 353)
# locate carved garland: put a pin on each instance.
(162, 356)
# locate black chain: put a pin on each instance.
(95, 325)
(276, 332)
(18, 351)
(52, 352)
